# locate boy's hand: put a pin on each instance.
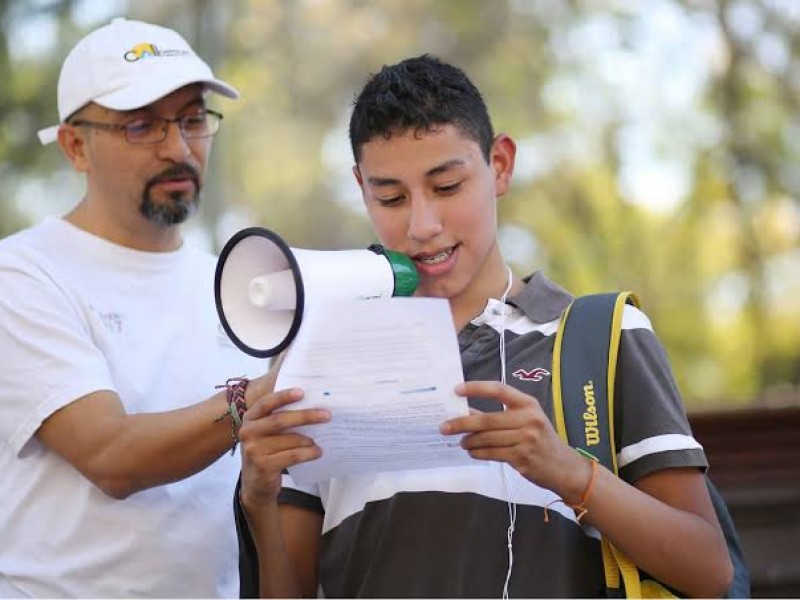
(268, 448)
(522, 436)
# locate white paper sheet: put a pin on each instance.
(386, 370)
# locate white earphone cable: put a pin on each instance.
(512, 506)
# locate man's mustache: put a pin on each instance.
(179, 171)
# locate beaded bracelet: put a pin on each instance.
(579, 508)
(235, 388)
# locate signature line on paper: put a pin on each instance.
(419, 390)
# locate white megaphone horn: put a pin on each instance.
(261, 285)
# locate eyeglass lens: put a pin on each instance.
(154, 129)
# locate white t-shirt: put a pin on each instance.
(79, 314)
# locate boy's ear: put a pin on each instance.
(504, 152)
(357, 174)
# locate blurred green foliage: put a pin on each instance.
(658, 145)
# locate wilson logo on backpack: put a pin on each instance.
(584, 366)
(590, 415)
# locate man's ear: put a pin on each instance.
(504, 152)
(74, 146)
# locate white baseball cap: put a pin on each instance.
(126, 65)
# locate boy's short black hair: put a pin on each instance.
(419, 93)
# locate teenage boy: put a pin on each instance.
(431, 170)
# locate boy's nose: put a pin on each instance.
(424, 221)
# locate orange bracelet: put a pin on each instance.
(579, 508)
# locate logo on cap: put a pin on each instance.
(145, 50)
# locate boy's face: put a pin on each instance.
(433, 196)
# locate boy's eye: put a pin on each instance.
(449, 188)
(394, 200)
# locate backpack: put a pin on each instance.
(584, 372)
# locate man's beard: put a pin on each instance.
(180, 205)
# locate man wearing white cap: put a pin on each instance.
(115, 446)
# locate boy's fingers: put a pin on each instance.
(474, 422)
(267, 403)
(495, 390)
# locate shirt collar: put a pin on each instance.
(541, 300)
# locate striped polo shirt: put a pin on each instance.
(442, 532)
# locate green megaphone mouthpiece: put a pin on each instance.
(405, 273)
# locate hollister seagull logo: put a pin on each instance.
(536, 374)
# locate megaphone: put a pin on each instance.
(261, 285)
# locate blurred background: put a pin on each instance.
(658, 151)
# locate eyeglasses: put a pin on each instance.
(153, 130)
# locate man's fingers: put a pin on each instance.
(265, 384)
